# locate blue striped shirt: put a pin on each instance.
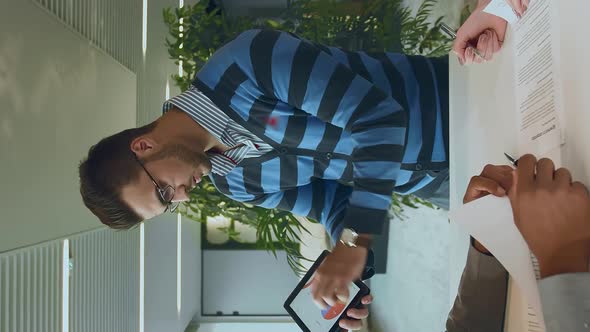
(346, 128)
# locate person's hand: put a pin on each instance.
(340, 268)
(481, 30)
(519, 6)
(352, 320)
(495, 180)
(553, 215)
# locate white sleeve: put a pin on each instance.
(566, 302)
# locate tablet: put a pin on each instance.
(308, 316)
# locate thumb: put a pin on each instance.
(459, 48)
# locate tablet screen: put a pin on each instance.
(315, 319)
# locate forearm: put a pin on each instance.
(481, 300)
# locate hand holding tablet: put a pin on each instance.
(308, 316)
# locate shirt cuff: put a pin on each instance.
(566, 302)
(364, 220)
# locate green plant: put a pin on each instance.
(400, 201)
(275, 229)
(370, 25)
(196, 35)
(421, 37)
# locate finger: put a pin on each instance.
(367, 299)
(517, 6)
(485, 45)
(330, 298)
(526, 172)
(459, 49)
(477, 58)
(320, 303)
(579, 186)
(489, 46)
(482, 47)
(466, 57)
(545, 170)
(358, 313)
(480, 186)
(460, 45)
(327, 292)
(317, 297)
(342, 294)
(351, 324)
(496, 43)
(469, 55)
(496, 172)
(501, 174)
(563, 177)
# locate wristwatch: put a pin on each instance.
(351, 239)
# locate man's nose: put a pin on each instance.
(181, 194)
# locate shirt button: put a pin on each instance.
(328, 156)
(418, 167)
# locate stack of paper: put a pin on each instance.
(537, 79)
(490, 221)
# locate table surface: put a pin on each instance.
(483, 114)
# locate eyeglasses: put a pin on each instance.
(166, 194)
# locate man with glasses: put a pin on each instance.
(280, 122)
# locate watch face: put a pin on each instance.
(348, 237)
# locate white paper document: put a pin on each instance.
(490, 221)
(537, 79)
(502, 9)
(540, 120)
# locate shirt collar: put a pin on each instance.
(203, 111)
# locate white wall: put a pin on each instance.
(157, 67)
(252, 282)
(103, 281)
(59, 95)
(161, 310)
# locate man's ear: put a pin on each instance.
(143, 146)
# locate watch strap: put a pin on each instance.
(364, 242)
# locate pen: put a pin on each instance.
(453, 35)
(513, 161)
